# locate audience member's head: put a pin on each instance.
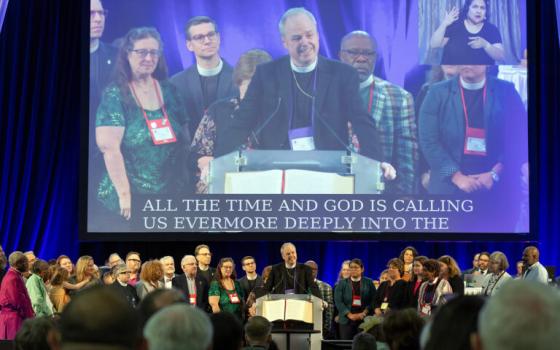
(19, 261)
(257, 331)
(152, 271)
(408, 254)
(3, 258)
(179, 326)
(448, 267)
(157, 300)
(99, 317)
(530, 255)
(364, 341)
(523, 315)
(454, 323)
(483, 260)
(33, 334)
(498, 262)
(402, 329)
(41, 268)
(228, 331)
(431, 269)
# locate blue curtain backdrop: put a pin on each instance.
(40, 134)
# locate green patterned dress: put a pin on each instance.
(151, 169)
(216, 289)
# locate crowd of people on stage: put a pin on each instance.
(464, 134)
(413, 288)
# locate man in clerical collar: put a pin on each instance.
(289, 277)
(302, 101)
(251, 280)
(534, 270)
(390, 106)
(210, 79)
(168, 270)
(204, 257)
(328, 301)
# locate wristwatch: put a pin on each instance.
(495, 176)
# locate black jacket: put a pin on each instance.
(180, 282)
(278, 280)
(268, 100)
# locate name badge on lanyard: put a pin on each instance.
(302, 139)
(160, 129)
(426, 309)
(356, 300)
(192, 299)
(233, 298)
(475, 138)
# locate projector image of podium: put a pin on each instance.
(297, 319)
(294, 172)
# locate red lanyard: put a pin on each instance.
(370, 104)
(352, 283)
(465, 104)
(165, 117)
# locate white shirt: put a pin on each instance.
(305, 69)
(536, 273)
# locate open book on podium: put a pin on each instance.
(288, 309)
(294, 172)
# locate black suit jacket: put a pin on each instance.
(270, 94)
(244, 282)
(180, 282)
(188, 84)
(276, 282)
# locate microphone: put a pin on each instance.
(256, 133)
(331, 130)
(277, 285)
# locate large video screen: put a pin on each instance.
(369, 118)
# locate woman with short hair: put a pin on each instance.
(391, 294)
(432, 292)
(499, 276)
(151, 277)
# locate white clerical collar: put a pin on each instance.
(252, 278)
(366, 83)
(210, 72)
(290, 267)
(205, 268)
(122, 284)
(356, 279)
(473, 86)
(95, 46)
(306, 69)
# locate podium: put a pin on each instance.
(292, 330)
(362, 174)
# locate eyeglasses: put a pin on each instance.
(135, 260)
(211, 36)
(249, 263)
(101, 13)
(142, 53)
(356, 53)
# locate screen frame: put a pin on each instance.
(534, 121)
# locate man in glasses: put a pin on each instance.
(204, 257)
(251, 280)
(390, 107)
(210, 79)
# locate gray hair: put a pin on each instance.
(184, 260)
(177, 325)
(294, 11)
(15, 257)
(501, 258)
(519, 309)
(167, 257)
(287, 244)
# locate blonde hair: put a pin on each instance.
(81, 267)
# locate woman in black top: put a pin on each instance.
(467, 37)
(449, 270)
(413, 286)
(392, 294)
